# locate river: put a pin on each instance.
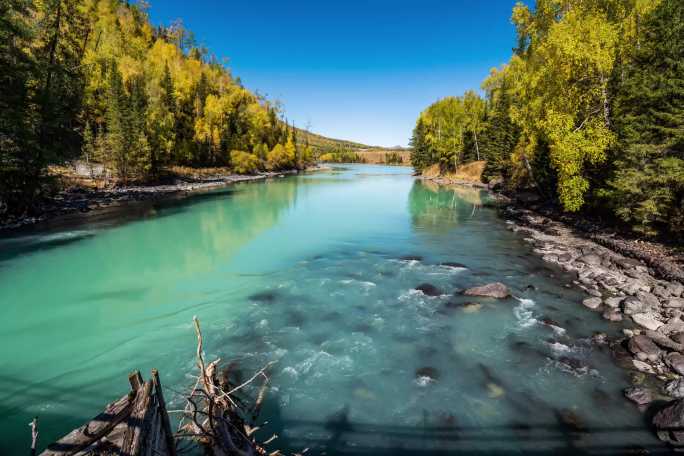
(317, 272)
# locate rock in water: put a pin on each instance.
(675, 388)
(451, 264)
(644, 348)
(429, 290)
(472, 307)
(592, 303)
(639, 395)
(492, 290)
(669, 423)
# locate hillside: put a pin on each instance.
(350, 151)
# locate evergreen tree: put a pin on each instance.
(647, 184)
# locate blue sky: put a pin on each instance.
(357, 70)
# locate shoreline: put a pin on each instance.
(640, 291)
(82, 200)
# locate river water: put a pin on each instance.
(317, 272)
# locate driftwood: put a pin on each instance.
(217, 414)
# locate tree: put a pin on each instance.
(646, 187)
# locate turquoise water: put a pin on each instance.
(318, 273)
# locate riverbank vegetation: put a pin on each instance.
(589, 112)
(94, 79)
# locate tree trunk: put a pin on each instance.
(477, 146)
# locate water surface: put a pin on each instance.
(319, 273)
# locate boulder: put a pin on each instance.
(647, 320)
(661, 292)
(642, 366)
(674, 325)
(676, 362)
(644, 348)
(674, 302)
(639, 395)
(429, 290)
(632, 306)
(648, 299)
(612, 315)
(664, 341)
(675, 289)
(679, 337)
(614, 302)
(590, 259)
(592, 303)
(492, 290)
(675, 388)
(669, 423)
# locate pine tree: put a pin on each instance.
(118, 115)
(647, 185)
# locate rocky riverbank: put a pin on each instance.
(636, 288)
(83, 200)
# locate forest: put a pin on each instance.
(589, 112)
(95, 80)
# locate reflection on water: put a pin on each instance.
(319, 272)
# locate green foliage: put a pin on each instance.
(447, 132)
(393, 158)
(244, 162)
(94, 77)
(341, 156)
(646, 182)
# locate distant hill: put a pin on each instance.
(323, 145)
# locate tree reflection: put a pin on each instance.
(440, 208)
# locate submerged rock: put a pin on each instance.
(411, 258)
(592, 303)
(676, 362)
(472, 307)
(492, 290)
(429, 290)
(639, 395)
(429, 372)
(612, 315)
(451, 264)
(669, 423)
(268, 297)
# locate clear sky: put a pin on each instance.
(357, 70)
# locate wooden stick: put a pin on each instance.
(166, 424)
(34, 435)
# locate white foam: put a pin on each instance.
(423, 381)
(523, 313)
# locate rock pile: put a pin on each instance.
(625, 290)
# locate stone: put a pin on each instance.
(644, 348)
(674, 302)
(639, 395)
(564, 257)
(592, 303)
(661, 291)
(591, 259)
(614, 302)
(676, 362)
(665, 341)
(427, 372)
(669, 423)
(632, 306)
(429, 290)
(675, 388)
(679, 337)
(675, 289)
(599, 338)
(642, 366)
(647, 320)
(648, 299)
(674, 325)
(492, 290)
(612, 315)
(471, 307)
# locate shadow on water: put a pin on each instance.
(339, 435)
